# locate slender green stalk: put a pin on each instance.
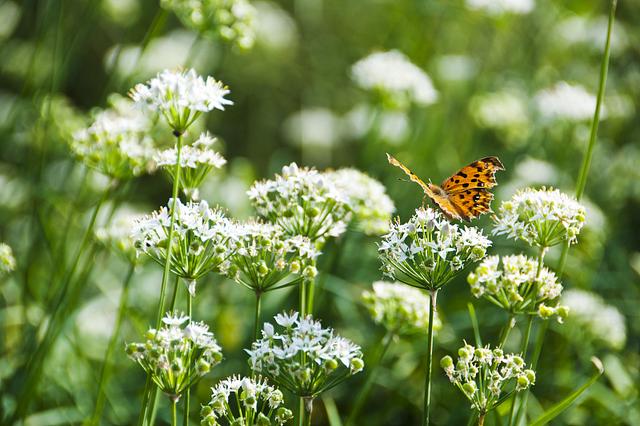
(504, 334)
(311, 287)
(433, 294)
(150, 388)
(308, 410)
(481, 419)
(187, 396)
(256, 322)
(174, 298)
(301, 412)
(174, 413)
(373, 371)
(474, 324)
(106, 364)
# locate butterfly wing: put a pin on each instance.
(471, 203)
(448, 207)
(479, 174)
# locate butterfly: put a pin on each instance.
(465, 195)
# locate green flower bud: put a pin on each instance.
(263, 420)
(469, 388)
(294, 267)
(446, 362)
(330, 364)
(203, 367)
(313, 211)
(310, 272)
(356, 365)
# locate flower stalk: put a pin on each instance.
(433, 294)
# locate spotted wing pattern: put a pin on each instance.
(479, 174)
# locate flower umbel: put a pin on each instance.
(515, 284)
(372, 208)
(204, 239)
(428, 250)
(196, 161)
(303, 357)
(7, 260)
(541, 217)
(303, 202)
(245, 401)
(181, 96)
(483, 374)
(267, 259)
(400, 309)
(117, 142)
(176, 356)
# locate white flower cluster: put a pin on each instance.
(517, 285)
(428, 250)
(118, 235)
(372, 208)
(591, 314)
(541, 217)
(116, 143)
(567, 102)
(266, 258)
(400, 309)
(505, 111)
(177, 356)
(303, 357)
(482, 374)
(231, 20)
(196, 161)
(303, 202)
(500, 7)
(205, 239)
(245, 401)
(7, 260)
(181, 96)
(393, 76)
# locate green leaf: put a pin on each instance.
(332, 411)
(557, 409)
(474, 323)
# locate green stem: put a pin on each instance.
(308, 409)
(165, 275)
(310, 293)
(174, 413)
(506, 330)
(481, 419)
(187, 396)
(433, 294)
(364, 390)
(106, 370)
(301, 413)
(256, 323)
(516, 400)
(174, 298)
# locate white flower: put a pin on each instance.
(176, 357)
(428, 250)
(400, 309)
(303, 357)
(7, 260)
(205, 238)
(117, 235)
(542, 218)
(482, 374)
(505, 111)
(368, 199)
(266, 259)
(180, 97)
(117, 142)
(591, 314)
(514, 283)
(275, 28)
(566, 101)
(396, 77)
(313, 127)
(303, 202)
(499, 7)
(238, 398)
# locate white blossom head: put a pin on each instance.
(116, 143)
(196, 162)
(541, 217)
(501, 7)
(177, 355)
(428, 250)
(518, 285)
(371, 206)
(591, 316)
(395, 78)
(504, 111)
(204, 239)
(229, 20)
(303, 357)
(239, 399)
(483, 374)
(564, 101)
(266, 259)
(303, 202)
(180, 97)
(400, 309)
(7, 260)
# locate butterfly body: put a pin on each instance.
(465, 195)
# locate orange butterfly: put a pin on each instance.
(465, 195)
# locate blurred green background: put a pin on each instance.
(295, 100)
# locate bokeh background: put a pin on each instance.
(295, 100)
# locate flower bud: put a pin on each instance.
(356, 365)
(330, 364)
(469, 388)
(446, 362)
